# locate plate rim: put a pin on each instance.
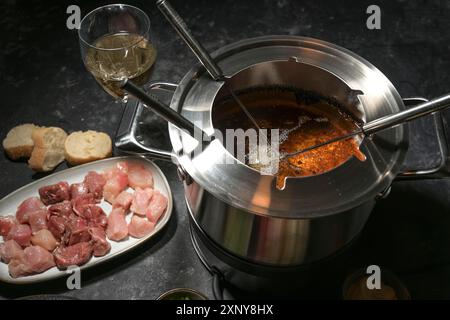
(159, 226)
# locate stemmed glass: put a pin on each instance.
(116, 46)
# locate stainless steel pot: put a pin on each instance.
(313, 217)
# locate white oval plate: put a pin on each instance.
(9, 204)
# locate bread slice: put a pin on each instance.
(48, 149)
(18, 143)
(82, 147)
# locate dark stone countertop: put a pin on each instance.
(44, 81)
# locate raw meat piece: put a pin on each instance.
(27, 206)
(10, 250)
(157, 206)
(77, 254)
(139, 176)
(141, 200)
(33, 260)
(100, 245)
(140, 227)
(123, 200)
(62, 209)
(78, 189)
(95, 183)
(120, 167)
(117, 226)
(21, 233)
(6, 223)
(38, 259)
(115, 186)
(80, 203)
(55, 193)
(116, 181)
(19, 267)
(57, 226)
(95, 216)
(38, 220)
(76, 231)
(45, 239)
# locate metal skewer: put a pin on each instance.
(200, 52)
(386, 122)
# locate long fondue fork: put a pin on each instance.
(386, 122)
(200, 52)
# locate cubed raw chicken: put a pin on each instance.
(10, 250)
(78, 254)
(117, 226)
(100, 245)
(21, 233)
(34, 260)
(141, 201)
(55, 193)
(139, 227)
(38, 220)
(45, 239)
(123, 200)
(139, 176)
(95, 183)
(157, 206)
(27, 206)
(117, 182)
(6, 223)
(78, 189)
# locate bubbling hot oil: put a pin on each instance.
(301, 124)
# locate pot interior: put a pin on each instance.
(307, 105)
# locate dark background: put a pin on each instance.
(43, 81)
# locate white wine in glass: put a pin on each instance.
(115, 46)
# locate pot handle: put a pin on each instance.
(442, 170)
(126, 139)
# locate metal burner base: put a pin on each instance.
(244, 279)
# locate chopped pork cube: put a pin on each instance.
(139, 227)
(27, 206)
(38, 220)
(10, 250)
(34, 260)
(157, 206)
(6, 223)
(117, 226)
(21, 233)
(141, 201)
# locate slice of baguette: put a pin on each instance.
(48, 149)
(82, 147)
(18, 143)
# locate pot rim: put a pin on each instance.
(198, 74)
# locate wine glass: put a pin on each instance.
(115, 46)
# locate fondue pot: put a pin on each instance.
(238, 214)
